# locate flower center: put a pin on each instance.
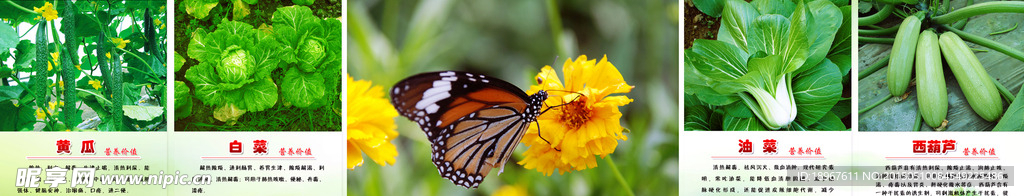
(575, 113)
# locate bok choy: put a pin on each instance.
(772, 61)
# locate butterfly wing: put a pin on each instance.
(473, 122)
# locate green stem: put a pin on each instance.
(979, 9)
(876, 104)
(1003, 91)
(877, 17)
(150, 72)
(555, 23)
(874, 67)
(618, 175)
(1005, 31)
(876, 32)
(29, 30)
(877, 40)
(1009, 51)
(960, 24)
(917, 122)
(19, 7)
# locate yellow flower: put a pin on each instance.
(162, 8)
(587, 125)
(40, 114)
(157, 21)
(510, 190)
(95, 84)
(79, 67)
(371, 124)
(47, 11)
(56, 58)
(120, 43)
(53, 106)
(36, 18)
(108, 55)
(15, 104)
(61, 82)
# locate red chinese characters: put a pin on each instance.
(769, 146)
(933, 146)
(919, 146)
(746, 147)
(235, 147)
(63, 146)
(259, 147)
(87, 147)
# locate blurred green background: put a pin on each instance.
(392, 39)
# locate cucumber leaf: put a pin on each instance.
(143, 113)
(8, 37)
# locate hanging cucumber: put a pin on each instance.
(39, 80)
(151, 46)
(112, 77)
(70, 115)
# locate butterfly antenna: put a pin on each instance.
(563, 104)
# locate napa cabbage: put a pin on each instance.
(234, 70)
(312, 56)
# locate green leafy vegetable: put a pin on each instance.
(182, 100)
(779, 68)
(313, 56)
(199, 8)
(235, 63)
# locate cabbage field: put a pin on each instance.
(244, 65)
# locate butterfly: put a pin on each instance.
(473, 122)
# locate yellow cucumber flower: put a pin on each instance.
(47, 11)
(119, 42)
(95, 84)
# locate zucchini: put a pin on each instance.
(931, 86)
(901, 60)
(977, 85)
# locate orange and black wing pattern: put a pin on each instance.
(472, 121)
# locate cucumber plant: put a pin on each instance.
(83, 66)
